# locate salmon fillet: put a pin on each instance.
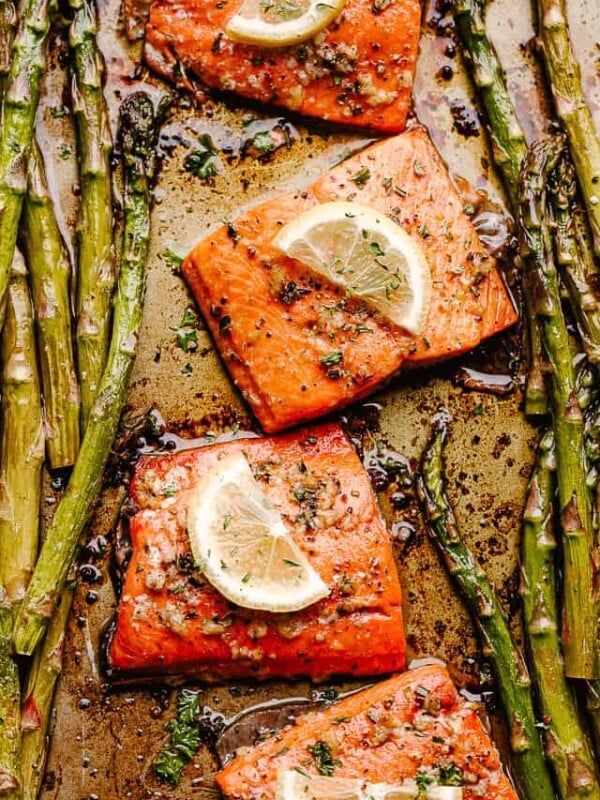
(359, 71)
(171, 621)
(295, 346)
(411, 724)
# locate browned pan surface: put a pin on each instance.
(104, 742)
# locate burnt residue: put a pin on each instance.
(466, 120)
(490, 383)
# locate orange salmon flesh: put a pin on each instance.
(296, 346)
(359, 71)
(171, 621)
(411, 724)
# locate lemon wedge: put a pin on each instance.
(277, 23)
(365, 253)
(242, 545)
(293, 785)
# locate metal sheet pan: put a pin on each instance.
(104, 741)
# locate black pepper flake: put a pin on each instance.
(216, 45)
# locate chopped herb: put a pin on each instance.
(469, 209)
(477, 411)
(224, 564)
(169, 490)
(64, 152)
(423, 779)
(361, 177)
(168, 767)
(187, 370)
(451, 775)
(173, 260)
(332, 358)
(324, 761)
(376, 250)
(387, 185)
(216, 45)
(184, 738)
(400, 191)
(418, 168)
(224, 324)
(227, 521)
(203, 162)
(246, 577)
(360, 328)
(232, 232)
(263, 143)
(186, 335)
(290, 292)
(423, 232)
(288, 562)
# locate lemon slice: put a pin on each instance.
(293, 785)
(242, 545)
(277, 23)
(367, 254)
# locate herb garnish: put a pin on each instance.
(184, 738)
(324, 761)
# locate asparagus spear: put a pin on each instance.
(574, 260)
(580, 605)
(50, 278)
(18, 118)
(569, 100)
(37, 706)
(8, 22)
(566, 742)
(21, 440)
(10, 714)
(529, 764)
(96, 258)
(508, 150)
(137, 138)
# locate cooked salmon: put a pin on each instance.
(411, 725)
(171, 621)
(359, 71)
(297, 347)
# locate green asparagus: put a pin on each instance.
(37, 704)
(529, 763)
(50, 279)
(569, 100)
(19, 108)
(21, 440)
(580, 605)
(575, 261)
(566, 742)
(137, 139)
(96, 271)
(8, 22)
(10, 714)
(508, 150)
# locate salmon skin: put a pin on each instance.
(297, 347)
(171, 621)
(411, 725)
(359, 71)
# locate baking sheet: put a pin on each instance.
(105, 740)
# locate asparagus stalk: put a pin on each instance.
(39, 693)
(566, 742)
(508, 150)
(580, 605)
(569, 100)
(529, 764)
(19, 109)
(42, 679)
(50, 279)
(593, 707)
(575, 261)
(137, 138)
(96, 258)
(8, 22)
(10, 714)
(21, 440)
